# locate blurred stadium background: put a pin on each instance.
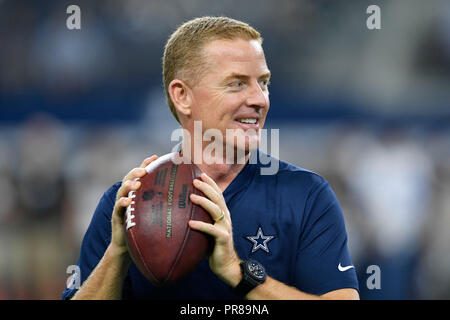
(368, 110)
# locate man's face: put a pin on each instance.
(233, 93)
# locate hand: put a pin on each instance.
(224, 261)
(118, 238)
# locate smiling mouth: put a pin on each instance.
(248, 121)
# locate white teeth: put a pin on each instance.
(250, 121)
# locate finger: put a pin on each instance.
(133, 174)
(125, 201)
(139, 172)
(208, 190)
(126, 187)
(148, 160)
(211, 182)
(214, 210)
(130, 183)
(209, 187)
(121, 204)
(210, 229)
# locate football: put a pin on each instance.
(161, 244)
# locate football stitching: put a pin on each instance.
(141, 257)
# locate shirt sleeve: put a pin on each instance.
(96, 239)
(323, 260)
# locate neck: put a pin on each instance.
(221, 168)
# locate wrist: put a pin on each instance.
(233, 275)
(118, 252)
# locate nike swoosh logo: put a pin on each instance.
(342, 269)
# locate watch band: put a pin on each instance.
(243, 288)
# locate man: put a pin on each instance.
(288, 223)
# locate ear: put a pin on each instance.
(181, 96)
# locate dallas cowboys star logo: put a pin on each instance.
(260, 241)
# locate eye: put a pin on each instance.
(265, 83)
(236, 85)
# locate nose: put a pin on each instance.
(257, 97)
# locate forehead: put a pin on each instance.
(235, 56)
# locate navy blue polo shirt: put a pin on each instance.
(291, 222)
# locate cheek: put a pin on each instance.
(219, 107)
(202, 104)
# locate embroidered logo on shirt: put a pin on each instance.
(342, 269)
(260, 241)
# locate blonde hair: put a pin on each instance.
(183, 54)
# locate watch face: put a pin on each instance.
(256, 270)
